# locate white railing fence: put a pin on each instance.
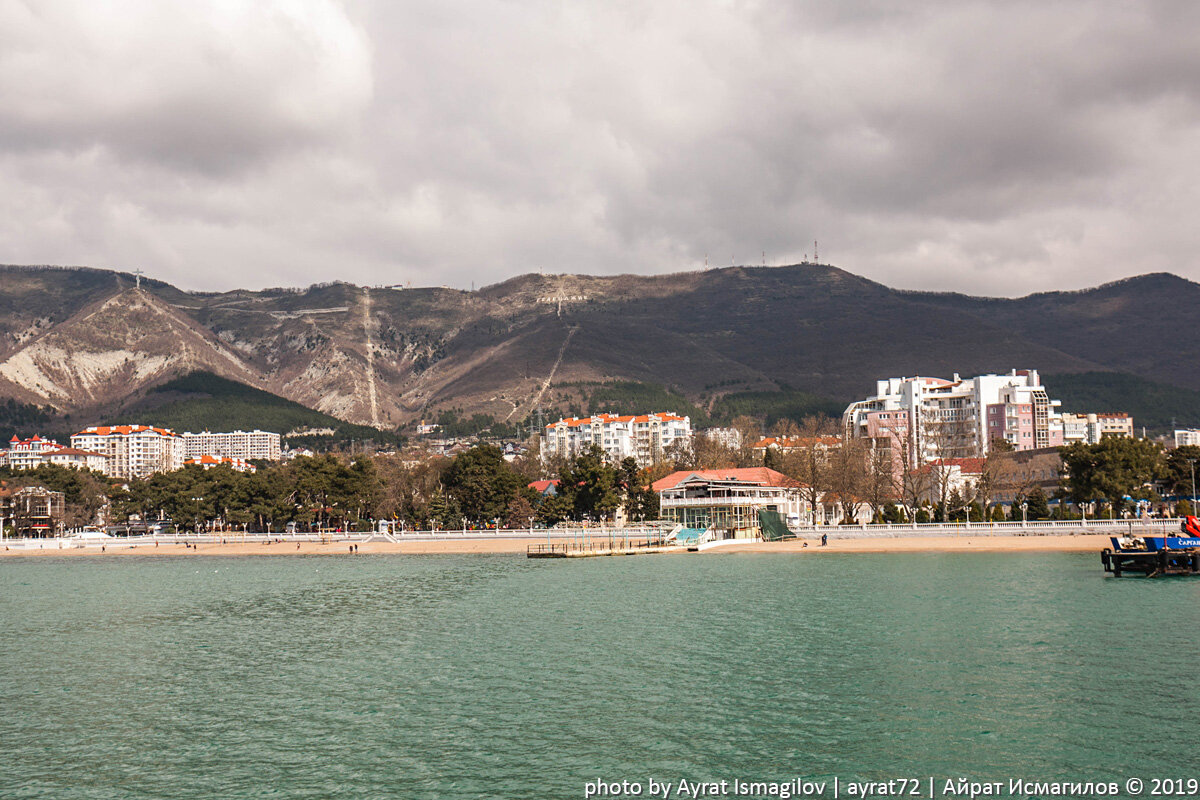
(1072, 527)
(596, 533)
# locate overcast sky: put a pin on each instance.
(989, 147)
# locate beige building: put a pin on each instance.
(244, 445)
(75, 458)
(133, 451)
(1091, 428)
(645, 437)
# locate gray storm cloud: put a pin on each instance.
(988, 147)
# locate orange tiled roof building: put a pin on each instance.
(645, 437)
(133, 451)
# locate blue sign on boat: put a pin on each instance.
(1171, 542)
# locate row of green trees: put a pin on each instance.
(477, 488)
(1115, 469)
(480, 488)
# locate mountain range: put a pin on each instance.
(87, 341)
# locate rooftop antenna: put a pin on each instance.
(816, 258)
(137, 276)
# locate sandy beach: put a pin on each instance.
(116, 548)
(1090, 543)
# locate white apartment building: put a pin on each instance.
(133, 451)
(243, 445)
(726, 437)
(32, 453)
(935, 418)
(1091, 428)
(1187, 437)
(645, 437)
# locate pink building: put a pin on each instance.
(1024, 425)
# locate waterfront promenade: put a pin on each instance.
(1074, 535)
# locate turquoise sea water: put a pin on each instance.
(497, 676)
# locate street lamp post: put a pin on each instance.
(1192, 463)
(1024, 518)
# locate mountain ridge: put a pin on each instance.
(387, 356)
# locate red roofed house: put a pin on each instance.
(545, 488)
(729, 499)
(77, 459)
(30, 453)
(133, 451)
(207, 462)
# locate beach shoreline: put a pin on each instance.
(959, 543)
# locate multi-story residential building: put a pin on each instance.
(726, 437)
(244, 445)
(1187, 437)
(32, 453)
(788, 444)
(207, 462)
(932, 418)
(1091, 428)
(133, 451)
(645, 437)
(29, 453)
(1115, 425)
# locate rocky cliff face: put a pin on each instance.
(86, 338)
(103, 353)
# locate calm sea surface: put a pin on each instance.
(500, 677)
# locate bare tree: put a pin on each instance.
(785, 427)
(712, 454)
(807, 459)
(846, 477)
(751, 432)
(912, 476)
(880, 483)
(947, 436)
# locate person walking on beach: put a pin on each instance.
(824, 539)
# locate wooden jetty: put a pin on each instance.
(599, 548)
